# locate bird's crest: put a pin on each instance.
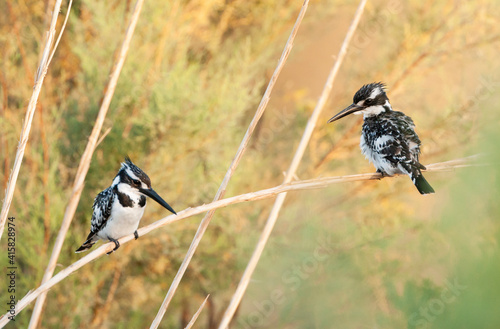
(367, 90)
(132, 170)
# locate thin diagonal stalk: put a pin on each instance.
(247, 197)
(62, 30)
(271, 221)
(222, 189)
(197, 314)
(84, 165)
(30, 112)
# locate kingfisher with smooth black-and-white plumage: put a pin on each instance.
(119, 208)
(388, 137)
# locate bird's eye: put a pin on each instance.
(136, 182)
(368, 101)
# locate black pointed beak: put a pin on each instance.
(348, 110)
(153, 195)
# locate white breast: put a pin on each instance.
(123, 221)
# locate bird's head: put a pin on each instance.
(370, 100)
(132, 180)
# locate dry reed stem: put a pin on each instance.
(197, 314)
(271, 221)
(189, 212)
(85, 161)
(30, 112)
(222, 189)
(62, 30)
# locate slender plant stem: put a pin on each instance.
(189, 212)
(85, 161)
(70, 3)
(222, 189)
(195, 316)
(30, 112)
(273, 216)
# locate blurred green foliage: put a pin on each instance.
(360, 255)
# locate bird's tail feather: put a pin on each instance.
(86, 245)
(422, 185)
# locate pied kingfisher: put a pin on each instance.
(388, 138)
(119, 208)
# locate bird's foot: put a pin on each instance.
(136, 235)
(117, 244)
(383, 174)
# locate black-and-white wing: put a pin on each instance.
(100, 215)
(399, 144)
(103, 203)
(408, 130)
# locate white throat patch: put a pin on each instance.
(132, 193)
(374, 110)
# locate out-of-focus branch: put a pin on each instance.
(30, 112)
